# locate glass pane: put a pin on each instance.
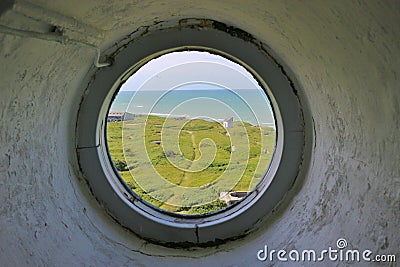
(191, 132)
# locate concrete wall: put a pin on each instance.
(345, 58)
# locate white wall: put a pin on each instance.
(344, 56)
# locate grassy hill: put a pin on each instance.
(181, 166)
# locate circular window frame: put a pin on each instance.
(262, 86)
(163, 227)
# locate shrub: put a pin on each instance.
(120, 165)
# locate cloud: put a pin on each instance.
(190, 67)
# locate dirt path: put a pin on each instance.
(195, 148)
(196, 156)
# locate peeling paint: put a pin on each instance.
(342, 56)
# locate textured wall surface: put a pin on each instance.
(344, 56)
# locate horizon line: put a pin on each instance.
(213, 89)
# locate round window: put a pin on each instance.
(191, 132)
(192, 136)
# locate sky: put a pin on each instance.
(189, 70)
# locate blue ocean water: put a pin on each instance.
(249, 105)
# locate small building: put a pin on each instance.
(232, 197)
(228, 122)
(180, 117)
(114, 116)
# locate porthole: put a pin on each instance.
(169, 136)
(191, 132)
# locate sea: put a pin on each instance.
(248, 105)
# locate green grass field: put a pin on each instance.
(181, 166)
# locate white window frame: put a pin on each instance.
(162, 227)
